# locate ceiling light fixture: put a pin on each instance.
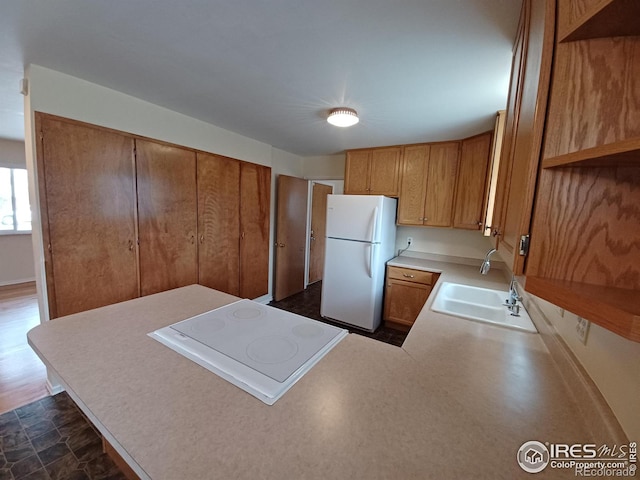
(343, 117)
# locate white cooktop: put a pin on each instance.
(260, 349)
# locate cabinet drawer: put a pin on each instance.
(410, 275)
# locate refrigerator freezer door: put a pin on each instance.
(351, 287)
(355, 217)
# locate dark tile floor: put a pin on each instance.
(50, 439)
(307, 303)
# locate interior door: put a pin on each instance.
(167, 216)
(219, 223)
(318, 230)
(291, 235)
(90, 208)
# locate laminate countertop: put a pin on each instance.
(457, 400)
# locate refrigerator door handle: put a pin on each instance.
(374, 225)
(372, 247)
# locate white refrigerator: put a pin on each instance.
(361, 237)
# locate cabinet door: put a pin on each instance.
(413, 185)
(384, 171)
(356, 174)
(90, 207)
(167, 208)
(255, 198)
(526, 118)
(441, 184)
(219, 223)
(404, 300)
(472, 174)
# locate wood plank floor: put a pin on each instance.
(22, 374)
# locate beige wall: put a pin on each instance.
(16, 253)
(612, 362)
(324, 167)
(444, 241)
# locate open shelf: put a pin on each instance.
(609, 18)
(615, 309)
(620, 154)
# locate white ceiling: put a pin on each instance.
(415, 70)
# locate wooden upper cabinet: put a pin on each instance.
(413, 185)
(472, 174)
(441, 184)
(584, 254)
(373, 171)
(88, 213)
(219, 222)
(356, 178)
(428, 183)
(384, 172)
(255, 206)
(525, 120)
(167, 209)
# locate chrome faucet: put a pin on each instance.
(486, 264)
(512, 302)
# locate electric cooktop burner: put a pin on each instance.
(261, 349)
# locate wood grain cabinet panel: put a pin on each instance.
(374, 171)
(428, 183)
(356, 178)
(413, 185)
(384, 171)
(167, 216)
(219, 223)
(471, 181)
(584, 253)
(90, 210)
(441, 184)
(406, 291)
(255, 203)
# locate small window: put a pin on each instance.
(15, 213)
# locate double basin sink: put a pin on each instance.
(481, 305)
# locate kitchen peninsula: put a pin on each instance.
(456, 401)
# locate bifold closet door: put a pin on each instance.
(255, 198)
(219, 223)
(167, 216)
(88, 207)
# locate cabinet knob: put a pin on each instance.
(281, 245)
(407, 275)
(201, 238)
(130, 245)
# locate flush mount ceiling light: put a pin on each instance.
(343, 117)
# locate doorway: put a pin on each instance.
(319, 194)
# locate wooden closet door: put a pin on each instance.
(219, 223)
(167, 216)
(255, 199)
(90, 206)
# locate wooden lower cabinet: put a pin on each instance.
(406, 291)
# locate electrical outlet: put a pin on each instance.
(409, 240)
(582, 327)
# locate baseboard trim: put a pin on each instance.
(53, 389)
(12, 284)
